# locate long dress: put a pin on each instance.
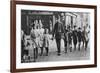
(34, 36)
(41, 34)
(46, 40)
(38, 37)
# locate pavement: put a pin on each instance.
(69, 56)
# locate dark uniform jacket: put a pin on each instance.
(58, 30)
(75, 36)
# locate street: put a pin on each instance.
(74, 55)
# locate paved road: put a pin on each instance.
(74, 55)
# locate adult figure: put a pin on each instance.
(58, 31)
(74, 37)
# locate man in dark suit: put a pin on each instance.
(75, 37)
(58, 32)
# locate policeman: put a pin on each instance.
(58, 31)
(74, 37)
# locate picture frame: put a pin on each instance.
(15, 5)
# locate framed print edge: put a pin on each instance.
(95, 27)
(13, 36)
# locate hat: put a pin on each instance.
(79, 28)
(74, 26)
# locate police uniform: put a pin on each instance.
(58, 30)
(75, 38)
(70, 39)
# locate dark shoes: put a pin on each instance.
(59, 54)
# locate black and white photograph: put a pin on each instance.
(52, 36)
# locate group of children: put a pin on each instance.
(37, 40)
(77, 36)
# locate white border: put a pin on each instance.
(20, 65)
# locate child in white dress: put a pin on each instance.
(34, 36)
(46, 41)
(41, 32)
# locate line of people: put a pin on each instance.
(39, 39)
(77, 36)
(70, 35)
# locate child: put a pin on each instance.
(70, 39)
(34, 40)
(46, 41)
(66, 39)
(26, 49)
(41, 32)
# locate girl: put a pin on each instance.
(41, 32)
(70, 39)
(34, 40)
(46, 41)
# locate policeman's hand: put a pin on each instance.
(52, 38)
